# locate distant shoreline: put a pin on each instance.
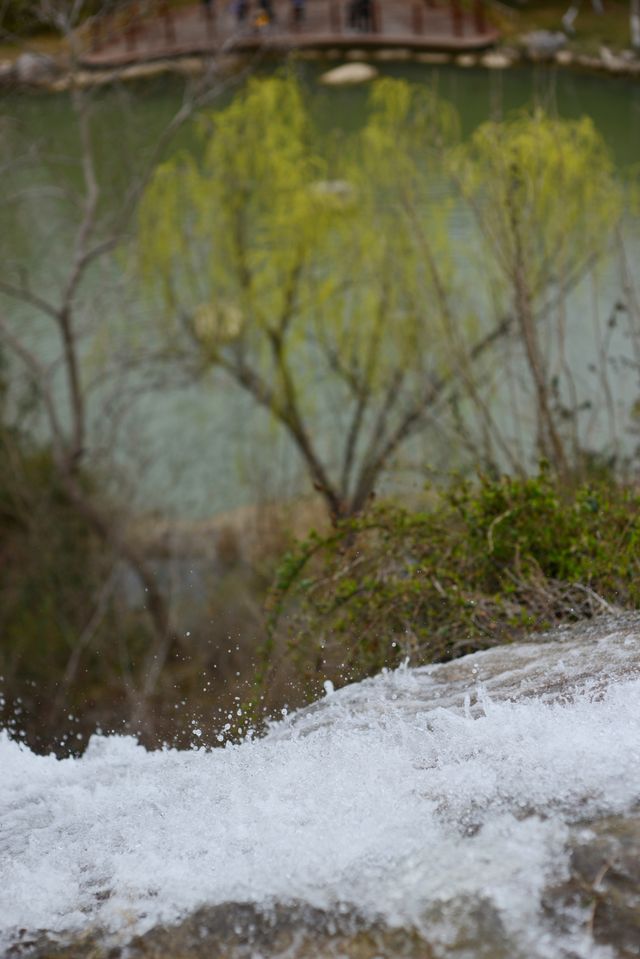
(497, 58)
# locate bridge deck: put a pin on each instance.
(413, 24)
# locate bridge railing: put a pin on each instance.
(134, 22)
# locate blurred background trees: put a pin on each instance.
(328, 287)
(88, 624)
(327, 280)
(296, 274)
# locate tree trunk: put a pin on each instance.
(634, 21)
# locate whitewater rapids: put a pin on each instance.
(421, 787)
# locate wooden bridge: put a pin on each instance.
(141, 32)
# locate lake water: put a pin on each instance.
(199, 450)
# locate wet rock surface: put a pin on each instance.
(603, 889)
(604, 883)
(244, 931)
(554, 668)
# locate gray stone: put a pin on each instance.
(496, 60)
(613, 62)
(564, 58)
(349, 73)
(542, 44)
(589, 62)
(36, 68)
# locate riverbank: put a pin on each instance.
(48, 74)
(190, 45)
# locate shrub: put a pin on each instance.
(56, 598)
(482, 565)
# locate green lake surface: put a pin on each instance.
(198, 450)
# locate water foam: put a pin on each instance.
(379, 798)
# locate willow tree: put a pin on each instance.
(546, 201)
(326, 284)
(299, 274)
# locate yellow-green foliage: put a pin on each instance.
(543, 185)
(255, 236)
(235, 237)
(232, 228)
(286, 265)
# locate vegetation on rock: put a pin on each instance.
(483, 564)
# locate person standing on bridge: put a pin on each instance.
(298, 11)
(266, 8)
(361, 15)
(241, 9)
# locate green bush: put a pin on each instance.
(484, 564)
(75, 640)
(56, 607)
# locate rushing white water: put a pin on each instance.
(391, 796)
